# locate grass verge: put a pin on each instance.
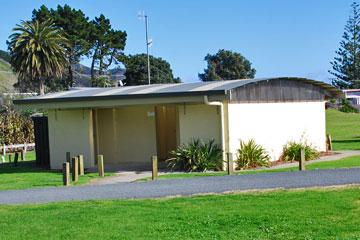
(344, 129)
(29, 156)
(27, 175)
(300, 214)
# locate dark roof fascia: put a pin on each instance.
(119, 97)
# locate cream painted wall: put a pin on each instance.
(70, 131)
(199, 121)
(274, 124)
(127, 135)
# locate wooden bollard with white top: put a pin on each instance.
(75, 169)
(66, 173)
(230, 163)
(100, 162)
(81, 165)
(154, 163)
(302, 160)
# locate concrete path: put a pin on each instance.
(185, 187)
(121, 177)
(131, 176)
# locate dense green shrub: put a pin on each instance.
(251, 155)
(292, 152)
(15, 128)
(196, 156)
(347, 107)
(103, 81)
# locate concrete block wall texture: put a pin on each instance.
(70, 131)
(127, 135)
(272, 125)
(199, 121)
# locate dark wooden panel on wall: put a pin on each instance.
(277, 91)
(41, 131)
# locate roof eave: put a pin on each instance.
(118, 97)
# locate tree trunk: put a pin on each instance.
(70, 77)
(93, 64)
(41, 86)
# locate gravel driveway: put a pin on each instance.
(185, 187)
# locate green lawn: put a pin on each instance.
(29, 156)
(310, 214)
(344, 129)
(27, 175)
(342, 163)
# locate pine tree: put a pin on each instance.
(346, 65)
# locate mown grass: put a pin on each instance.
(301, 214)
(344, 129)
(347, 162)
(29, 156)
(27, 175)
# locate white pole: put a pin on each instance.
(147, 48)
(4, 154)
(25, 150)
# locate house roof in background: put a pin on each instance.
(351, 90)
(161, 90)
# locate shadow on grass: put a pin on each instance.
(348, 144)
(22, 167)
(347, 141)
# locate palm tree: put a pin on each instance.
(38, 52)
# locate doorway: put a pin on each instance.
(166, 130)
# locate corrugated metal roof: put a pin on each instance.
(158, 90)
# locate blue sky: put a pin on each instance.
(280, 37)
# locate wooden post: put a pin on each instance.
(154, 171)
(66, 173)
(81, 165)
(16, 158)
(75, 169)
(230, 163)
(329, 143)
(100, 161)
(68, 157)
(23, 155)
(302, 160)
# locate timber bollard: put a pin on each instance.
(329, 143)
(81, 165)
(302, 160)
(68, 157)
(16, 159)
(100, 162)
(75, 169)
(154, 172)
(66, 173)
(230, 163)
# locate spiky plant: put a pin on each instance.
(251, 155)
(197, 156)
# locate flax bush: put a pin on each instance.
(196, 156)
(251, 155)
(292, 151)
